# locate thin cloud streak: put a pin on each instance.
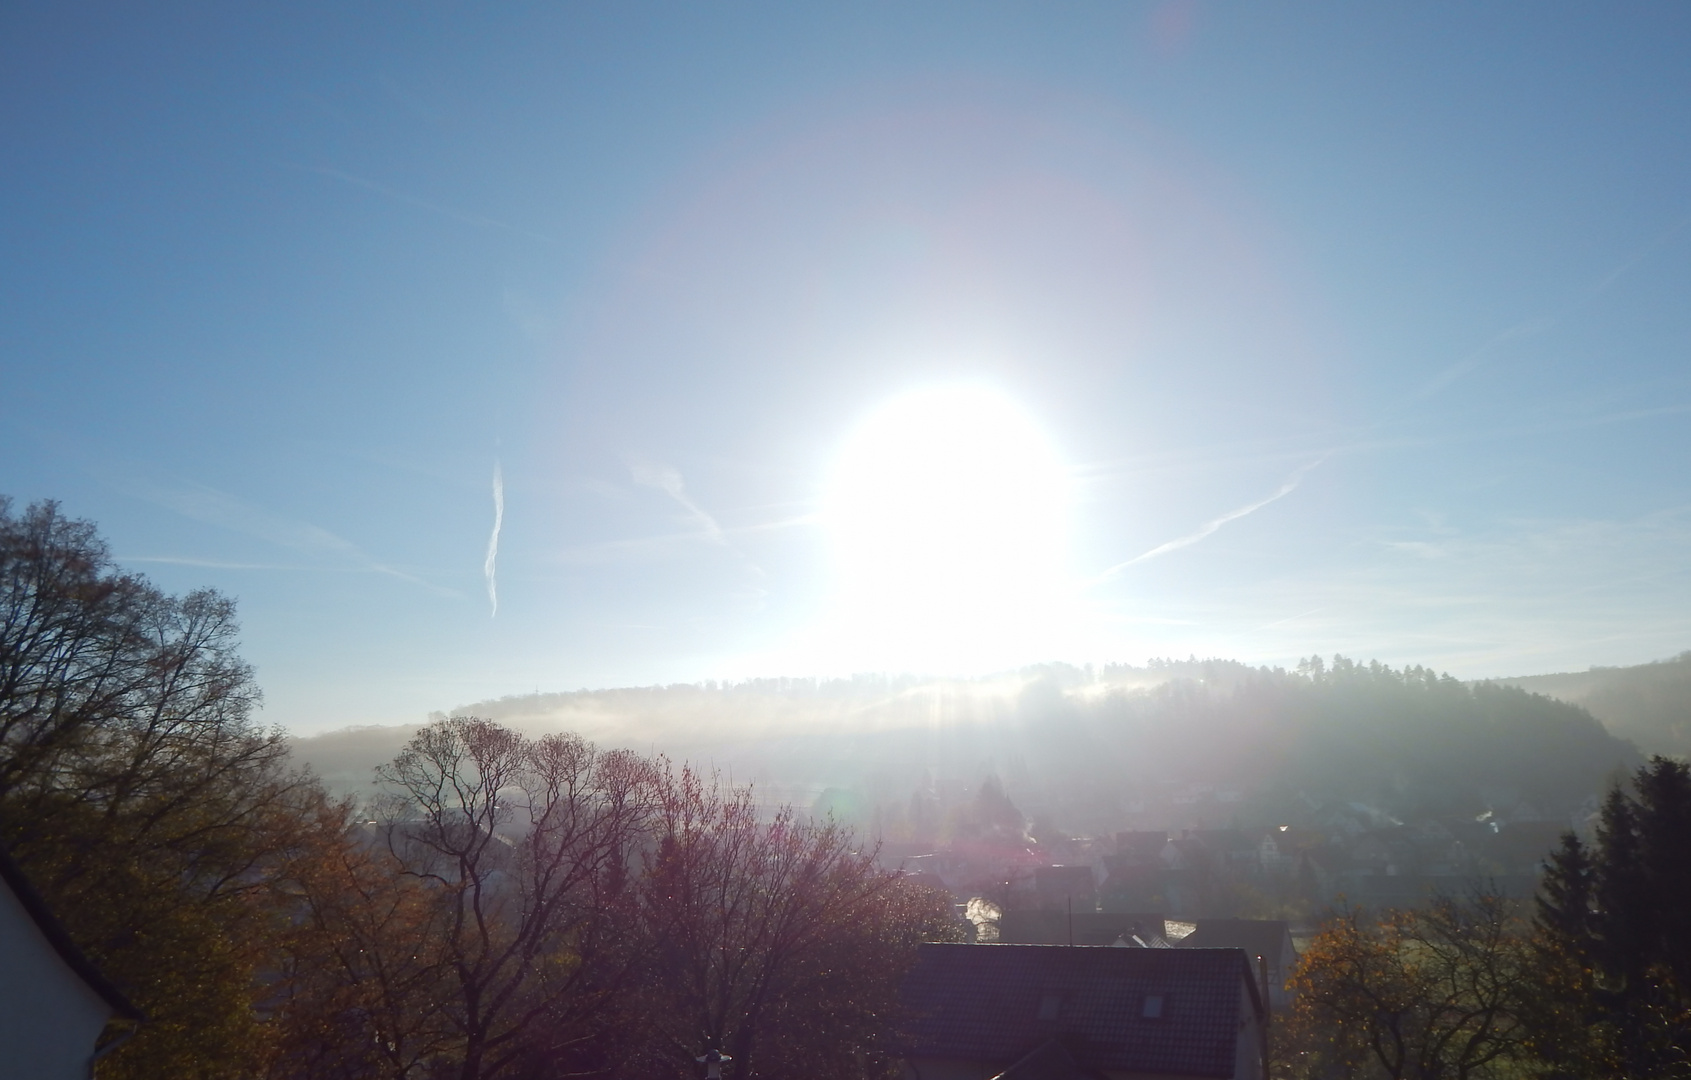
(1291, 619)
(422, 204)
(218, 508)
(209, 564)
(229, 564)
(1520, 596)
(1535, 327)
(668, 480)
(1531, 328)
(1227, 456)
(648, 547)
(1359, 439)
(1211, 526)
(490, 568)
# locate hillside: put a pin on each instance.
(1190, 744)
(1649, 704)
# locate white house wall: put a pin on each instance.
(49, 1017)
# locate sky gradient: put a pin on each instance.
(1357, 329)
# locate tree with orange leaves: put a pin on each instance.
(1436, 993)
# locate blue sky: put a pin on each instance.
(1351, 328)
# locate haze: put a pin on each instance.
(481, 352)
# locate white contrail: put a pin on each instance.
(422, 204)
(1211, 526)
(218, 508)
(667, 479)
(1535, 327)
(490, 567)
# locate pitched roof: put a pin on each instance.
(1074, 880)
(1141, 846)
(1082, 928)
(1258, 937)
(1224, 840)
(1051, 1061)
(1172, 1011)
(54, 932)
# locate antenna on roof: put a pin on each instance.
(1262, 974)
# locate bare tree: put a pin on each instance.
(106, 683)
(524, 844)
(779, 942)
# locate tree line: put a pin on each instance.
(509, 906)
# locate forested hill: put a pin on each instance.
(1253, 745)
(1208, 742)
(1410, 741)
(1649, 704)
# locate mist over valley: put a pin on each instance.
(1051, 765)
(1084, 747)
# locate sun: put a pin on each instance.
(946, 510)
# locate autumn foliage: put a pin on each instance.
(511, 906)
(1594, 981)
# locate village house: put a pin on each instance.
(1133, 875)
(1051, 1012)
(1066, 888)
(53, 1004)
(1270, 939)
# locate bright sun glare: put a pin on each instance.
(947, 512)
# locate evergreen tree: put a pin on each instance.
(1614, 930)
